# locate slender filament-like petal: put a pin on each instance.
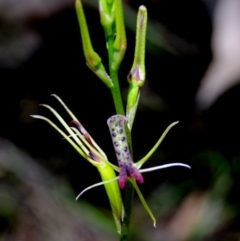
(144, 159)
(76, 147)
(95, 185)
(75, 118)
(164, 166)
(144, 203)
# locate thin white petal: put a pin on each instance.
(95, 185)
(164, 166)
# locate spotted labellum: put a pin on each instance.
(119, 139)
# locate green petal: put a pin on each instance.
(144, 203)
(144, 159)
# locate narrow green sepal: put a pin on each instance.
(120, 43)
(143, 201)
(113, 192)
(154, 148)
(138, 73)
(93, 60)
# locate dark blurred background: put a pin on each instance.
(193, 73)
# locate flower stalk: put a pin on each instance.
(120, 125)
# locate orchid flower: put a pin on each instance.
(127, 169)
(80, 139)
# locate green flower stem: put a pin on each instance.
(117, 98)
(115, 90)
(129, 195)
(128, 203)
(116, 94)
